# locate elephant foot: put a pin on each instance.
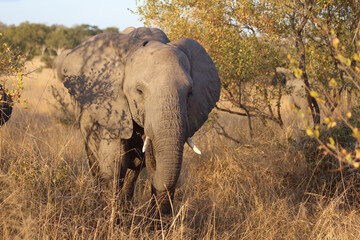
(154, 220)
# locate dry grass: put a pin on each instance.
(260, 188)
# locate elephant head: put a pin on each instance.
(138, 79)
(58, 63)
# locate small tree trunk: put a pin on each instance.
(300, 47)
(0, 144)
(278, 107)
(43, 49)
(246, 111)
(314, 106)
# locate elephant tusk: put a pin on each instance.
(146, 143)
(193, 147)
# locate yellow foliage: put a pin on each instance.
(314, 94)
(333, 83)
(336, 42)
(298, 73)
(309, 132)
(357, 153)
(348, 158)
(11, 65)
(356, 133)
(331, 143)
(356, 57)
(332, 124)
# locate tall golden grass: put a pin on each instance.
(256, 188)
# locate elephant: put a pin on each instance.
(5, 106)
(296, 96)
(140, 98)
(58, 63)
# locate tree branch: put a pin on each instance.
(230, 111)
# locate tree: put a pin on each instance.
(111, 29)
(36, 39)
(29, 37)
(11, 65)
(2, 27)
(60, 39)
(83, 32)
(249, 39)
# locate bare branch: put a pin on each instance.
(230, 111)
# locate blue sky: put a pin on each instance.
(103, 13)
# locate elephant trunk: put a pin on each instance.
(168, 155)
(168, 138)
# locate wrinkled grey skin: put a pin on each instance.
(58, 62)
(135, 84)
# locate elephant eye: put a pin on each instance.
(189, 91)
(189, 94)
(139, 91)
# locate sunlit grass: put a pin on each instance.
(257, 188)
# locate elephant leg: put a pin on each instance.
(90, 131)
(129, 183)
(107, 159)
(113, 163)
(136, 161)
(94, 166)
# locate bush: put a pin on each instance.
(48, 60)
(11, 65)
(329, 175)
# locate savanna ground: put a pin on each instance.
(269, 186)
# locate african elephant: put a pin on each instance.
(58, 63)
(295, 95)
(5, 106)
(140, 94)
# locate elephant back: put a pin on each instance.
(147, 34)
(95, 69)
(94, 75)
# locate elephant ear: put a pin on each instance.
(206, 83)
(94, 73)
(147, 34)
